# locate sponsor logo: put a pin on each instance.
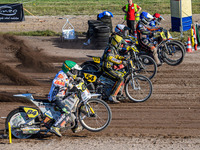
(7, 11)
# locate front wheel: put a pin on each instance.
(18, 118)
(95, 115)
(182, 45)
(173, 53)
(138, 88)
(146, 66)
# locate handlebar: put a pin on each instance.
(66, 18)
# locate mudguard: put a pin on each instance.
(95, 59)
(31, 112)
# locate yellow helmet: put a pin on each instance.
(116, 41)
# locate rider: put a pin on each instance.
(110, 58)
(156, 20)
(60, 85)
(144, 31)
(122, 30)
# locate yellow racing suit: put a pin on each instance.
(110, 58)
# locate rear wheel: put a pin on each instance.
(139, 88)
(90, 67)
(95, 115)
(18, 118)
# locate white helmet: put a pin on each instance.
(121, 30)
(145, 17)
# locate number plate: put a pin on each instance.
(90, 77)
(96, 59)
(163, 35)
(86, 95)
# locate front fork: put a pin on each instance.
(168, 50)
(89, 110)
(134, 84)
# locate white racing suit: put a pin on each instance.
(60, 85)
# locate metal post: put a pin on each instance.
(10, 135)
(181, 27)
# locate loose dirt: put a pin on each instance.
(168, 120)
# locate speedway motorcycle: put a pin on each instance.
(144, 64)
(137, 88)
(92, 113)
(170, 51)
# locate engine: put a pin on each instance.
(104, 86)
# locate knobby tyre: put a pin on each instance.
(90, 66)
(138, 89)
(182, 45)
(16, 118)
(95, 116)
(146, 66)
(172, 53)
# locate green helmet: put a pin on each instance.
(69, 65)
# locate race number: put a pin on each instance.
(90, 77)
(96, 59)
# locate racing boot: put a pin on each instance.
(56, 131)
(160, 64)
(113, 99)
(77, 129)
(155, 56)
(57, 125)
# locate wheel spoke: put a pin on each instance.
(99, 116)
(138, 89)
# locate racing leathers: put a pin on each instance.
(111, 58)
(60, 85)
(145, 32)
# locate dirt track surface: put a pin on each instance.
(168, 120)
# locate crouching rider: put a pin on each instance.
(60, 85)
(111, 57)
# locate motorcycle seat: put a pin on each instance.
(42, 100)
